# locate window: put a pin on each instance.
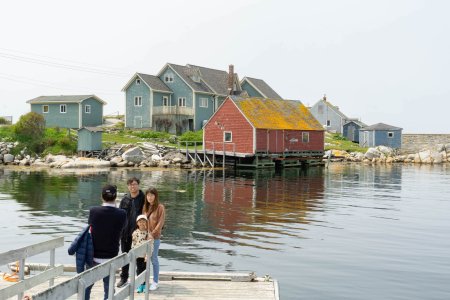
(87, 109)
(305, 137)
(227, 136)
(165, 101)
(168, 78)
(138, 81)
(390, 134)
(45, 109)
(62, 108)
(138, 101)
(328, 123)
(182, 101)
(203, 102)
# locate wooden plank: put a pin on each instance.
(28, 251)
(28, 283)
(208, 276)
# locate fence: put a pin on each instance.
(20, 255)
(79, 283)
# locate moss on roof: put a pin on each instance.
(277, 114)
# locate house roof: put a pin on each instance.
(381, 126)
(154, 83)
(357, 122)
(277, 114)
(262, 87)
(63, 99)
(335, 109)
(211, 81)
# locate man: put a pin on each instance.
(132, 203)
(107, 223)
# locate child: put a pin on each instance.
(140, 236)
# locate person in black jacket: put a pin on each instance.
(132, 203)
(107, 223)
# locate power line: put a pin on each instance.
(47, 84)
(60, 65)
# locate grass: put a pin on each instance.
(336, 141)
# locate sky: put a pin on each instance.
(378, 61)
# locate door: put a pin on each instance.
(191, 124)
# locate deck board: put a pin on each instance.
(187, 289)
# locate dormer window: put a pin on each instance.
(138, 81)
(196, 78)
(168, 78)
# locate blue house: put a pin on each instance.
(351, 130)
(74, 111)
(258, 88)
(178, 98)
(380, 135)
(331, 118)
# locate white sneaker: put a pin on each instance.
(153, 286)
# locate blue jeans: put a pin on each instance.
(105, 287)
(155, 261)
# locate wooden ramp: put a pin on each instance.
(187, 285)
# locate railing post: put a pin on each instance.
(21, 275)
(81, 289)
(52, 265)
(132, 274)
(112, 280)
(147, 270)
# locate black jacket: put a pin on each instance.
(133, 208)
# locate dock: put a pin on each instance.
(189, 286)
(54, 282)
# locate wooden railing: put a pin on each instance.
(79, 283)
(173, 110)
(23, 253)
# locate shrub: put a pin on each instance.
(30, 128)
(149, 134)
(3, 121)
(192, 136)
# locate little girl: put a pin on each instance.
(140, 236)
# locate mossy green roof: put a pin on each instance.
(277, 114)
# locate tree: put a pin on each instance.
(30, 127)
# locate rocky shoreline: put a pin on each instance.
(152, 155)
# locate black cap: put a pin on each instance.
(109, 190)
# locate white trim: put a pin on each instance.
(65, 108)
(137, 98)
(43, 110)
(80, 115)
(206, 101)
(391, 133)
(248, 81)
(167, 98)
(231, 137)
(125, 114)
(151, 109)
(86, 110)
(178, 102)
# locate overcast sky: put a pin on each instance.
(380, 61)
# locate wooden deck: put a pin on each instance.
(189, 286)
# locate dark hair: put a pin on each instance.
(109, 192)
(132, 179)
(147, 209)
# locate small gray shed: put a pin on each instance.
(90, 139)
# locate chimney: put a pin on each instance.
(230, 79)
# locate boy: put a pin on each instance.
(107, 222)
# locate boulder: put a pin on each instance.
(156, 158)
(24, 162)
(8, 158)
(389, 160)
(436, 157)
(339, 153)
(372, 153)
(385, 150)
(83, 162)
(115, 161)
(134, 155)
(425, 157)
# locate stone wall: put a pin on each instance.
(413, 143)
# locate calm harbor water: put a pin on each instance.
(349, 232)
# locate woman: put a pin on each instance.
(156, 214)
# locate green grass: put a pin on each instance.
(336, 141)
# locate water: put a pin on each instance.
(350, 232)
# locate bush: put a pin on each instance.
(30, 128)
(3, 121)
(192, 136)
(149, 134)
(7, 133)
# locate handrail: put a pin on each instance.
(79, 283)
(20, 255)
